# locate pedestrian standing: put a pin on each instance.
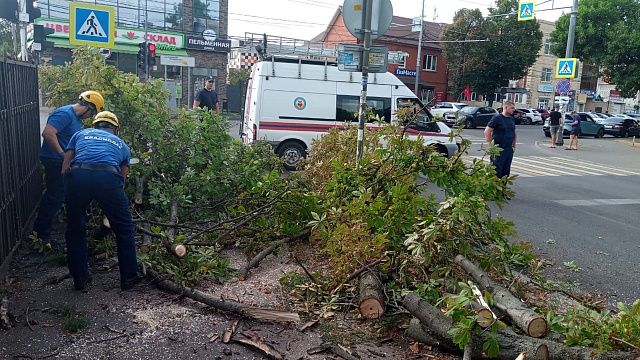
(501, 130)
(207, 98)
(95, 165)
(555, 122)
(575, 131)
(61, 125)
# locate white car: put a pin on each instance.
(531, 116)
(448, 111)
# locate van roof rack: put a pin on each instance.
(290, 48)
(297, 60)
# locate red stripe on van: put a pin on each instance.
(288, 126)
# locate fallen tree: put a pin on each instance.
(526, 319)
(228, 306)
(436, 325)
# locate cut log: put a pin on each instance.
(371, 296)
(511, 344)
(242, 275)
(532, 323)
(178, 250)
(418, 333)
(222, 305)
(138, 198)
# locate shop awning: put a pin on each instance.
(119, 48)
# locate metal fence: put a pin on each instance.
(20, 178)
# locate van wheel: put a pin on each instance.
(292, 152)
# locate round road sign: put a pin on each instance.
(353, 14)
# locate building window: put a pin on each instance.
(517, 98)
(547, 46)
(429, 62)
(402, 61)
(543, 103)
(474, 96)
(206, 16)
(546, 74)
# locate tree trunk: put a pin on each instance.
(222, 305)
(417, 332)
(146, 238)
(371, 296)
(138, 198)
(173, 219)
(524, 318)
(435, 323)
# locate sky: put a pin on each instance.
(304, 19)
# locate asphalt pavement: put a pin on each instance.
(580, 207)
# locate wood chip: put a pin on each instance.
(229, 332)
(308, 325)
(262, 347)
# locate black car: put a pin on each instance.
(474, 116)
(518, 115)
(619, 127)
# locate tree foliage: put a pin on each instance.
(485, 66)
(237, 76)
(7, 31)
(607, 35)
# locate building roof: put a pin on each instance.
(398, 33)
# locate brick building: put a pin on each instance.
(191, 37)
(399, 37)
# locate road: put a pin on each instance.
(579, 206)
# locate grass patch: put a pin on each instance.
(74, 321)
(59, 260)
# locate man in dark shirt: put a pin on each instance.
(207, 98)
(502, 131)
(554, 124)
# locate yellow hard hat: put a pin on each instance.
(93, 97)
(106, 116)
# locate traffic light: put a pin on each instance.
(33, 10)
(142, 56)
(40, 34)
(151, 54)
(9, 11)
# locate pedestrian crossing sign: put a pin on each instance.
(566, 68)
(92, 25)
(526, 10)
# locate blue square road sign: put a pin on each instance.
(566, 68)
(92, 25)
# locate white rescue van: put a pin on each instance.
(290, 102)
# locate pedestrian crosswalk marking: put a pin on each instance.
(537, 166)
(526, 12)
(92, 27)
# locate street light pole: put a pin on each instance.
(419, 53)
(368, 11)
(571, 38)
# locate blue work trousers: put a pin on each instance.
(107, 188)
(503, 162)
(51, 199)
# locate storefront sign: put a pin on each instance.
(590, 93)
(177, 60)
(615, 96)
(198, 42)
(545, 88)
(405, 72)
(125, 36)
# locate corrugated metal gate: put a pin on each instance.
(20, 177)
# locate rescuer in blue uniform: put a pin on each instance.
(95, 166)
(61, 125)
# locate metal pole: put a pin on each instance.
(419, 53)
(368, 8)
(189, 101)
(146, 56)
(571, 37)
(572, 29)
(24, 55)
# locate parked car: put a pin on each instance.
(474, 116)
(604, 115)
(544, 113)
(531, 116)
(588, 126)
(634, 115)
(518, 116)
(619, 127)
(635, 131)
(448, 111)
(597, 117)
